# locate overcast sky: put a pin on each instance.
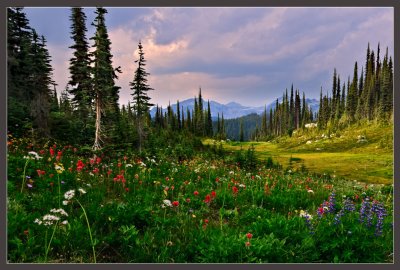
(246, 55)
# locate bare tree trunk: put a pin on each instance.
(97, 139)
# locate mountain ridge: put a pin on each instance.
(231, 109)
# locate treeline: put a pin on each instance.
(87, 111)
(197, 121)
(368, 97)
(292, 113)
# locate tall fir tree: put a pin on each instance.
(141, 100)
(80, 80)
(105, 90)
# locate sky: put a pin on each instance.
(246, 55)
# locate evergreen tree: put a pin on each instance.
(20, 93)
(291, 108)
(334, 90)
(40, 80)
(106, 93)
(141, 100)
(80, 80)
(178, 115)
(264, 122)
(352, 100)
(209, 128)
(241, 132)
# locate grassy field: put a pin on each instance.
(363, 153)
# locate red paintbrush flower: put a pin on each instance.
(175, 203)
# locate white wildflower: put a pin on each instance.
(231, 172)
(65, 222)
(38, 221)
(305, 214)
(69, 194)
(60, 211)
(65, 202)
(82, 191)
(128, 165)
(310, 191)
(309, 142)
(91, 174)
(51, 218)
(242, 185)
(142, 164)
(36, 156)
(167, 203)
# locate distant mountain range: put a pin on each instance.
(232, 109)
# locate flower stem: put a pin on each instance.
(51, 239)
(90, 232)
(59, 191)
(24, 176)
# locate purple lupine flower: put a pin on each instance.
(365, 212)
(380, 211)
(307, 218)
(349, 205)
(332, 202)
(338, 216)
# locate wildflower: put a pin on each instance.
(37, 221)
(365, 212)
(332, 202)
(34, 154)
(127, 189)
(249, 235)
(196, 193)
(213, 194)
(60, 211)
(79, 165)
(128, 165)
(65, 202)
(51, 150)
(50, 218)
(206, 221)
(247, 244)
(81, 190)
(380, 212)
(59, 154)
(167, 203)
(307, 217)
(98, 160)
(310, 191)
(59, 168)
(69, 194)
(320, 212)
(188, 200)
(40, 172)
(207, 199)
(96, 170)
(65, 222)
(175, 203)
(235, 190)
(29, 185)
